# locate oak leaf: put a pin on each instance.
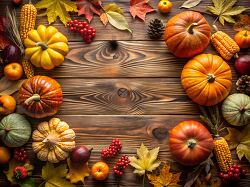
(57, 8)
(165, 178)
(55, 176)
(243, 23)
(88, 8)
(146, 161)
(140, 8)
(114, 15)
(224, 10)
(239, 140)
(77, 173)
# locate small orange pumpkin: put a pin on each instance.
(207, 79)
(242, 38)
(187, 34)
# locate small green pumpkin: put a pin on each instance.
(236, 109)
(15, 130)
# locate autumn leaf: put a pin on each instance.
(55, 176)
(77, 173)
(165, 178)
(8, 87)
(190, 3)
(239, 140)
(146, 161)
(224, 10)
(140, 8)
(57, 8)
(242, 23)
(114, 15)
(88, 8)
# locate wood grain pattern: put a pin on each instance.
(133, 93)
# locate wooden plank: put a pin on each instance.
(130, 59)
(125, 96)
(97, 132)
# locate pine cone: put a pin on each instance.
(155, 29)
(243, 84)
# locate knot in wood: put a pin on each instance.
(160, 133)
(123, 92)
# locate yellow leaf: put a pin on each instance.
(165, 178)
(113, 7)
(10, 172)
(55, 176)
(57, 8)
(239, 140)
(77, 172)
(104, 18)
(146, 161)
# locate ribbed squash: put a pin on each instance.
(46, 47)
(207, 79)
(53, 140)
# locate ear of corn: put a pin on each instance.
(27, 22)
(224, 44)
(222, 154)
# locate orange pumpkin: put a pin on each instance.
(187, 34)
(242, 38)
(190, 143)
(207, 79)
(40, 96)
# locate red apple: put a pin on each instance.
(242, 65)
(16, 2)
(80, 155)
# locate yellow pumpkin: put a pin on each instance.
(46, 47)
(53, 140)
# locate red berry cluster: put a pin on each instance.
(113, 149)
(82, 27)
(20, 172)
(121, 165)
(235, 173)
(20, 155)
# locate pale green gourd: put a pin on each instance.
(15, 130)
(236, 109)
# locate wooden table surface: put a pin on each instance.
(132, 93)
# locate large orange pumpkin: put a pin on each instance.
(187, 34)
(207, 79)
(40, 96)
(190, 143)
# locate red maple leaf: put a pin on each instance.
(88, 8)
(140, 8)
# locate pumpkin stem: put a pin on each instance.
(242, 110)
(50, 140)
(210, 78)
(245, 34)
(34, 97)
(191, 143)
(190, 28)
(43, 45)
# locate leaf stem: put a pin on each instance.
(42, 183)
(143, 180)
(215, 20)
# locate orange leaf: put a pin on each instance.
(104, 18)
(242, 23)
(88, 8)
(165, 178)
(77, 172)
(140, 8)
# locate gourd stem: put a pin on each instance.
(34, 97)
(236, 55)
(7, 129)
(245, 34)
(191, 143)
(210, 78)
(242, 110)
(190, 28)
(43, 45)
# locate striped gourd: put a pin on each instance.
(27, 22)
(224, 44)
(221, 149)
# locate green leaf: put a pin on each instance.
(49, 171)
(190, 3)
(213, 10)
(235, 11)
(229, 19)
(227, 5)
(29, 182)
